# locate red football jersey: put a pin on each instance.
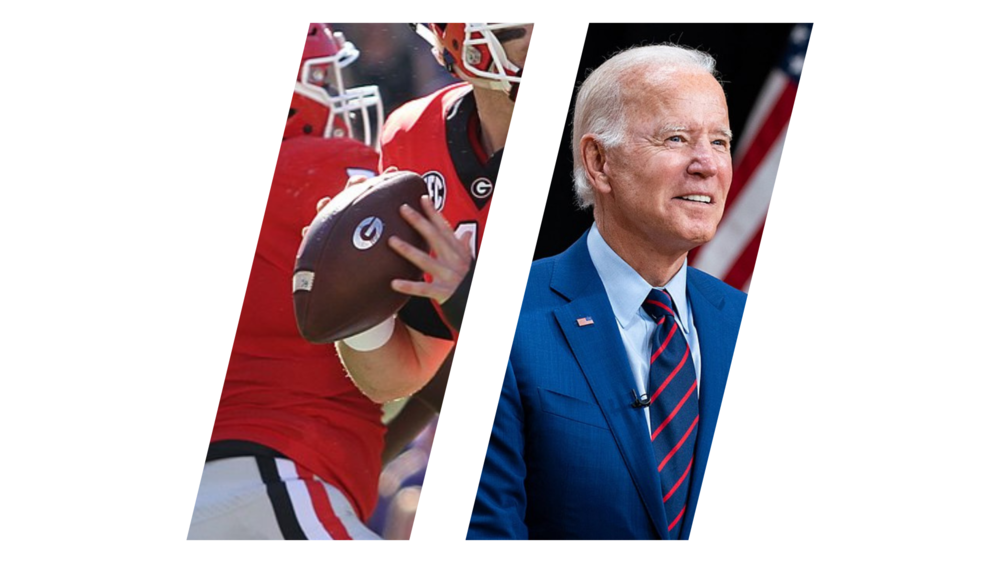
(281, 391)
(438, 137)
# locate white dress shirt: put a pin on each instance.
(627, 290)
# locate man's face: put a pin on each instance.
(669, 179)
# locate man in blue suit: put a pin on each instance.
(574, 451)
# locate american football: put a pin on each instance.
(343, 270)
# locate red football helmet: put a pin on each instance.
(321, 106)
(473, 53)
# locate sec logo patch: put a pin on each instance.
(436, 188)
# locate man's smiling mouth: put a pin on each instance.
(696, 198)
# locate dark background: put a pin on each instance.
(745, 55)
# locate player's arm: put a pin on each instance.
(407, 359)
(398, 368)
(416, 414)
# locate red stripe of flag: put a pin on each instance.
(769, 132)
(741, 270)
(778, 116)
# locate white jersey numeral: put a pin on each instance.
(469, 227)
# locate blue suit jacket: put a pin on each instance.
(569, 456)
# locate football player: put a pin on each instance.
(454, 138)
(295, 451)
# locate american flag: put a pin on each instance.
(731, 255)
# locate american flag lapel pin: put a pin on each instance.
(584, 321)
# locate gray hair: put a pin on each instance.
(600, 106)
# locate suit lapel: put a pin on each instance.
(716, 334)
(599, 351)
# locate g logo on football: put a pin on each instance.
(367, 233)
(436, 189)
(482, 188)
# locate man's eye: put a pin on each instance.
(675, 139)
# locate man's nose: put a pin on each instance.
(704, 160)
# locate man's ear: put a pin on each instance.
(594, 157)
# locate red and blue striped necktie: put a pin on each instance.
(673, 407)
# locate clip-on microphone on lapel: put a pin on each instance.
(640, 401)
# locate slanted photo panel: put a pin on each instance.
(378, 204)
(632, 309)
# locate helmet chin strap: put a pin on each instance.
(508, 87)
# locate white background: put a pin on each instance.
(138, 148)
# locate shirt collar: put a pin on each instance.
(629, 289)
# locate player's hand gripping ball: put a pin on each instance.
(341, 285)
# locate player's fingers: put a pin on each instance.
(438, 239)
(436, 268)
(321, 204)
(434, 215)
(419, 289)
(438, 234)
(459, 252)
(457, 249)
(355, 180)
